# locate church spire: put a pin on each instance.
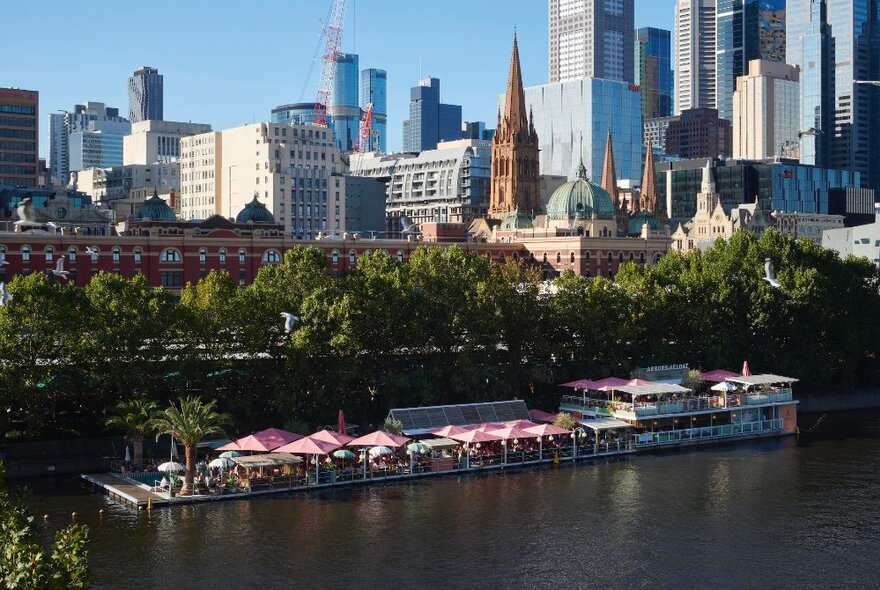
(609, 175)
(649, 187)
(515, 98)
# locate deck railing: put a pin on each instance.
(689, 404)
(647, 439)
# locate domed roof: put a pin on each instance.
(580, 199)
(639, 219)
(255, 211)
(155, 209)
(516, 220)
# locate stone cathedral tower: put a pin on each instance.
(514, 152)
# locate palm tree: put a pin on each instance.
(190, 421)
(133, 416)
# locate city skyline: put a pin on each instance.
(274, 71)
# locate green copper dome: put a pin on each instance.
(580, 199)
(255, 211)
(155, 209)
(516, 220)
(641, 218)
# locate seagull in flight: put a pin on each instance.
(290, 321)
(5, 297)
(92, 251)
(770, 274)
(3, 261)
(59, 268)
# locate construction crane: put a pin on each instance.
(333, 35)
(366, 129)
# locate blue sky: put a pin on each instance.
(229, 62)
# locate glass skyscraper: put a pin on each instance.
(344, 107)
(745, 30)
(653, 67)
(429, 121)
(298, 113)
(145, 95)
(836, 42)
(374, 85)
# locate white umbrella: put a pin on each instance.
(378, 451)
(172, 467)
(127, 455)
(723, 386)
(222, 463)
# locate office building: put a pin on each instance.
(745, 30)
(699, 133)
(365, 206)
(572, 120)
(591, 39)
(839, 44)
(374, 84)
(655, 131)
(449, 184)
(19, 146)
(152, 142)
(344, 108)
(299, 113)
(295, 171)
(145, 95)
(430, 121)
(653, 69)
(125, 188)
(693, 54)
(476, 130)
(766, 112)
(98, 141)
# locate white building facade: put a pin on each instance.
(693, 54)
(153, 141)
(766, 112)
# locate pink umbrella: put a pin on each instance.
(746, 371)
(511, 432)
(523, 424)
(541, 416)
(266, 440)
(230, 446)
(487, 426)
(608, 383)
(547, 430)
(449, 430)
(474, 436)
(639, 382)
(331, 436)
(309, 446)
(380, 438)
(340, 424)
(717, 375)
(579, 384)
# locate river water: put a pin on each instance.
(770, 514)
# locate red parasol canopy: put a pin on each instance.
(746, 371)
(718, 375)
(579, 384)
(639, 382)
(541, 416)
(331, 436)
(380, 438)
(340, 423)
(510, 432)
(474, 436)
(547, 430)
(449, 430)
(309, 446)
(263, 441)
(523, 424)
(608, 383)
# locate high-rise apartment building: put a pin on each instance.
(766, 112)
(693, 40)
(744, 30)
(430, 121)
(837, 42)
(344, 108)
(653, 68)
(19, 146)
(152, 142)
(145, 95)
(91, 117)
(699, 133)
(294, 170)
(374, 84)
(591, 39)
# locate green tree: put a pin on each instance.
(133, 418)
(564, 420)
(190, 421)
(25, 564)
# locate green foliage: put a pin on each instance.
(392, 426)
(25, 564)
(564, 420)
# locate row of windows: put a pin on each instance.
(17, 109)
(16, 122)
(167, 255)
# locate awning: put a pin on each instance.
(764, 379)
(440, 443)
(599, 424)
(652, 389)
(267, 460)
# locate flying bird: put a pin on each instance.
(59, 268)
(290, 321)
(409, 228)
(3, 261)
(770, 274)
(5, 297)
(92, 251)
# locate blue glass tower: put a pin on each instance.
(429, 121)
(745, 30)
(344, 107)
(653, 69)
(374, 85)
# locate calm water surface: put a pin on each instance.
(772, 514)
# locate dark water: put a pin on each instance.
(772, 514)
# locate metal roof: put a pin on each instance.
(422, 420)
(763, 379)
(598, 424)
(652, 389)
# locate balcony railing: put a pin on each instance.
(706, 432)
(682, 406)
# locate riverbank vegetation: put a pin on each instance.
(446, 327)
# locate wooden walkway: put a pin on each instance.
(125, 492)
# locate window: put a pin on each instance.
(558, 258)
(203, 255)
(170, 255)
(241, 278)
(137, 255)
(170, 278)
(94, 253)
(116, 253)
(241, 255)
(271, 257)
(545, 258)
(642, 257)
(334, 256)
(50, 253)
(610, 258)
(25, 254)
(222, 254)
(71, 254)
(620, 257)
(571, 258)
(400, 256)
(352, 257)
